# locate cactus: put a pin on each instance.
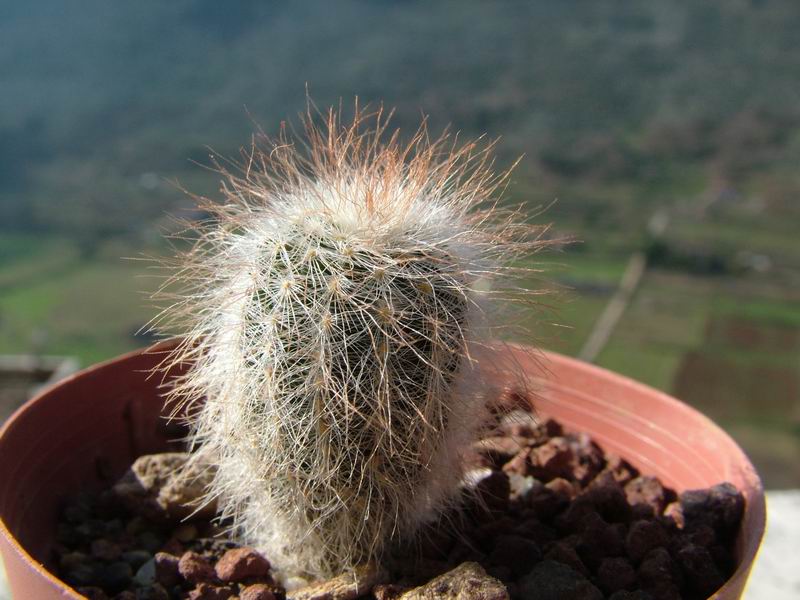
(335, 308)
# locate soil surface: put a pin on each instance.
(546, 512)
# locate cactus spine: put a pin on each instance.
(333, 310)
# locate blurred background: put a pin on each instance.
(663, 134)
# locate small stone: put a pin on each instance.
(626, 595)
(550, 580)
(259, 591)
(115, 577)
(136, 558)
(71, 560)
(721, 507)
(185, 533)
(126, 595)
(166, 486)
(644, 536)
(167, 569)
(149, 540)
(519, 465)
(208, 591)
(92, 593)
(620, 469)
(552, 459)
(673, 514)
(648, 491)
(493, 491)
(348, 586)
(701, 573)
(608, 497)
(546, 502)
(152, 592)
(388, 591)
(172, 546)
(615, 573)
(195, 569)
(564, 553)
(499, 449)
(519, 485)
(468, 581)
(241, 564)
(105, 550)
(82, 575)
(146, 574)
(516, 553)
(659, 576)
(599, 539)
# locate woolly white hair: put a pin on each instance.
(334, 311)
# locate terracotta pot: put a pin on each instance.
(85, 431)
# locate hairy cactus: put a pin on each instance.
(334, 309)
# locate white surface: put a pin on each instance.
(776, 574)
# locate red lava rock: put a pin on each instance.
(520, 465)
(615, 573)
(561, 486)
(588, 460)
(516, 553)
(702, 574)
(647, 491)
(259, 591)
(552, 459)
(644, 536)
(499, 449)
(167, 569)
(194, 568)
(208, 591)
(241, 564)
(620, 469)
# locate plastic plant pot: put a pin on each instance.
(84, 432)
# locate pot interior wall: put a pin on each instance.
(81, 435)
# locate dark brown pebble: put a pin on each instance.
(516, 553)
(92, 593)
(643, 536)
(152, 592)
(105, 550)
(195, 569)
(626, 595)
(550, 580)
(659, 576)
(241, 564)
(493, 490)
(615, 573)
(608, 497)
(701, 573)
(565, 553)
(114, 577)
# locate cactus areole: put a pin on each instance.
(335, 309)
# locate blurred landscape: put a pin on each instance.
(684, 109)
